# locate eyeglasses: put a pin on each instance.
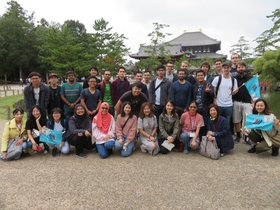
(34, 78)
(169, 66)
(104, 108)
(91, 81)
(192, 107)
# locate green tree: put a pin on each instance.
(270, 38)
(17, 40)
(106, 49)
(242, 48)
(268, 65)
(157, 50)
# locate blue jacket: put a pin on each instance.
(222, 133)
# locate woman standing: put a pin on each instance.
(103, 129)
(36, 121)
(14, 128)
(190, 124)
(79, 131)
(168, 126)
(265, 140)
(147, 125)
(126, 125)
(58, 123)
(218, 129)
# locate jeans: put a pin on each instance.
(226, 112)
(26, 144)
(129, 147)
(103, 148)
(64, 149)
(68, 115)
(187, 140)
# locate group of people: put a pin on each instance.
(175, 108)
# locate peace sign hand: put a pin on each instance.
(207, 88)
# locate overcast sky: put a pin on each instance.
(224, 20)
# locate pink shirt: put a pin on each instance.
(191, 123)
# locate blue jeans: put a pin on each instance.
(26, 144)
(226, 112)
(129, 147)
(64, 149)
(67, 115)
(103, 148)
(187, 140)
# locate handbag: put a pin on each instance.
(13, 150)
(35, 133)
(209, 148)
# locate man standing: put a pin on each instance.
(181, 93)
(54, 94)
(169, 72)
(234, 60)
(147, 78)
(106, 89)
(36, 93)
(218, 65)
(93, 70)
(203, 95)
(241, 100)
(135, 97)
(159, 91)
(91, 98)
(120, 85)
(189, 78)
(138, 78)
(70, 94)
(224, 87)
(205, 66)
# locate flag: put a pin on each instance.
(260, 122)
(51, 137)
(253, 87)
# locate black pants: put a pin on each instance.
(80, 142)
(37, 140)
(162, 149)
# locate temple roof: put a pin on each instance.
(199, 56)
(175, 49)
(194, 39)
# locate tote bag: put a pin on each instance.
(209, 148)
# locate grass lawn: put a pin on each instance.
(8, 101)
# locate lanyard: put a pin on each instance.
(192, 123)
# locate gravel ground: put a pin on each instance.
(173, 181)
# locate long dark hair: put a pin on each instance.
(266, 111)
(164, 109)
(31, 117)
(57, 110)
(130, 115)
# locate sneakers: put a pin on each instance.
(54, 152)
(275, 151)
(252, 150)
(142, 149)
(186, 151)
(222, 154)
(81, 155)
(237, 140)
(46, 151)
(247, 141)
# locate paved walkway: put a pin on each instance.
(173, 181)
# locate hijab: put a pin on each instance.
(103, 121)
(81, 120)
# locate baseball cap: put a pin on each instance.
(53, 75)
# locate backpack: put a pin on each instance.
(219, 82)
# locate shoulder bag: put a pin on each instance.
(209, 148)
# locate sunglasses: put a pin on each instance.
(105, 108)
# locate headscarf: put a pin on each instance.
(81, 121)
(103, 121)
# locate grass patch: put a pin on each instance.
(8, 101)
(274, 103)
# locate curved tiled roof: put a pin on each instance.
(194, 39)
(175, 49)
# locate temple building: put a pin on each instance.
(195, 45)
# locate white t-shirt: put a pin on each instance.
(157, 100)
(224, 95)
(36, 95)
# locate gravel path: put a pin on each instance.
(174, 181)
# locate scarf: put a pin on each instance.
(103, 121)
(81, 120)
